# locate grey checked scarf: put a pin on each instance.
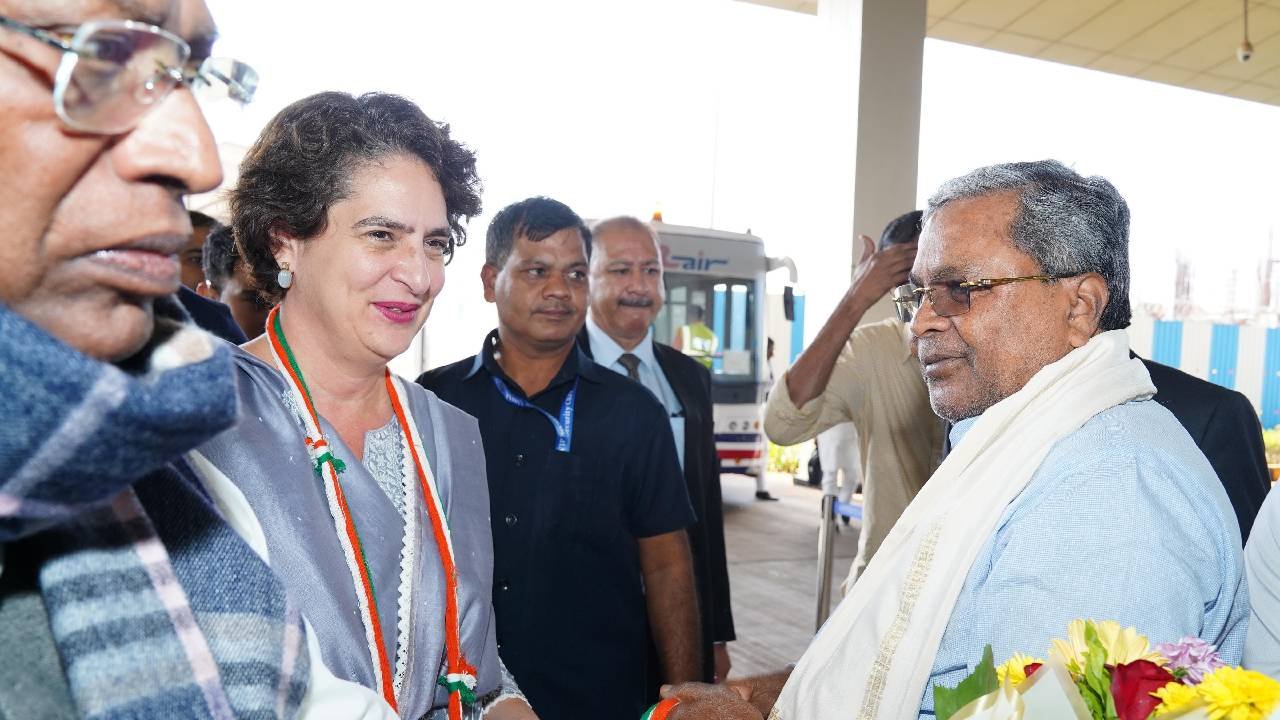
(157, 608)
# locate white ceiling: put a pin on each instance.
(1188, 43)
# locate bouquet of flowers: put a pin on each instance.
(1105, 672)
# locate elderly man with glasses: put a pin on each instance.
(123, 593)
(1069, 493)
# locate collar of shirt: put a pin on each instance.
(576, 364)
(962, 428)
(606, 350)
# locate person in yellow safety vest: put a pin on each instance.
(695, 339)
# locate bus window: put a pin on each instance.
(725, 339)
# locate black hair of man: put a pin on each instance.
(696, 313)
(902, 229)
(200, 220)
(220, 256)
(535, 219)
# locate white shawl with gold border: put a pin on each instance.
(873, 657)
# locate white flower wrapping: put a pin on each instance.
(1049, 694)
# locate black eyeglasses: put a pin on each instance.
(113, 71)
(908, 298)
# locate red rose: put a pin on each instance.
(1030, 669)
(1132, 685)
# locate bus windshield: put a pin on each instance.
(712, 319)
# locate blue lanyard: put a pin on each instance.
(563, 426)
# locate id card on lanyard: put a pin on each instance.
(562, 425)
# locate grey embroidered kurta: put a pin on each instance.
(264, 455)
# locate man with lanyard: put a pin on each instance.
(587, 501)
(626, 295)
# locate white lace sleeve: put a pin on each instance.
(507, 690)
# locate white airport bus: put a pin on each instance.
(723, 273)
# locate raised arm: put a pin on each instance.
(829, 380)
(877, 274)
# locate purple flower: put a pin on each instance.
(1193, 656)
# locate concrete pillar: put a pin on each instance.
(878, 51)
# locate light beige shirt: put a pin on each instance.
(876, 385)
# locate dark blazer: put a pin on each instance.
(1226, 428)
(211, 315)
(691, 382)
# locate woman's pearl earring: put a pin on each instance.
(284, 278)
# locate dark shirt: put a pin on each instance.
(690, 382)
(567, 589)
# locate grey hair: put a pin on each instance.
(1067, 223)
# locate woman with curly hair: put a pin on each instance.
(366, 492)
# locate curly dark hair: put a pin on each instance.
(301, 164)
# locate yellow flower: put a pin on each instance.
(1175, 697)
(1122, 645)
(1014, 670)
(1237, 694)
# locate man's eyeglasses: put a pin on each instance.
(114, 71)
(952, 298)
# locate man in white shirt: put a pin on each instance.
(626, 294)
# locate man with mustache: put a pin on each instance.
(1068, 493)
(627, 293)
(587, 504)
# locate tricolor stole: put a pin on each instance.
(661, 711)
(460, 677)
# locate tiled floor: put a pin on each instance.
(773, 565)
